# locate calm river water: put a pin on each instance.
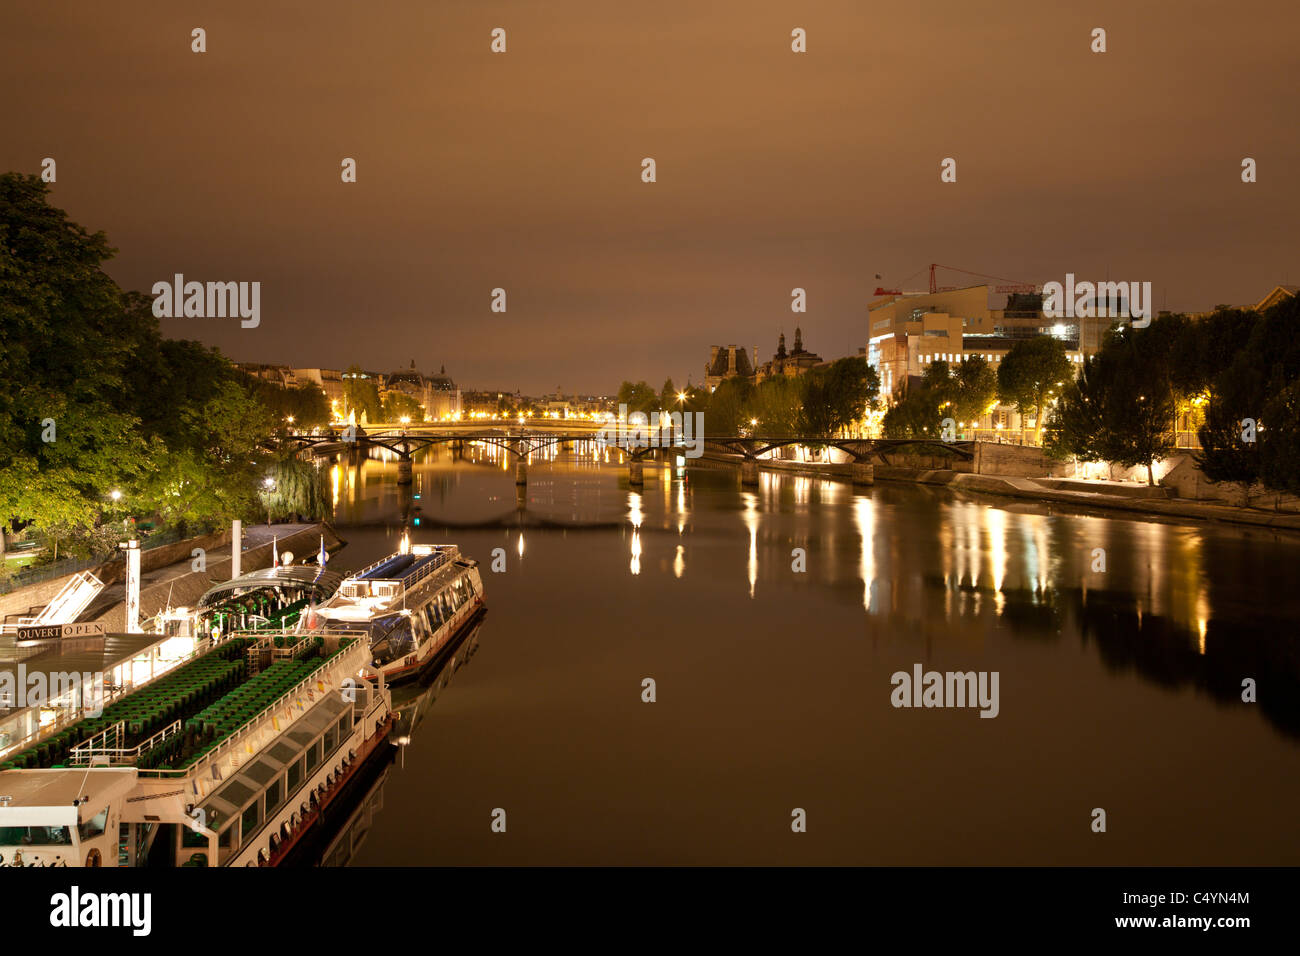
(1118, 689)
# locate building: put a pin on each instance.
(730, 361)
(328, 380)
(437, 395)
(280, 375)
(1279, 294)
(789, 364)
(908, 332)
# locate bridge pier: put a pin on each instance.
(404, 470)
(635, 473)
(864, 473)
(749, 472)
(521, 473)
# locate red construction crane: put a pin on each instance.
(1011, 286)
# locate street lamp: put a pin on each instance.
(268, 483)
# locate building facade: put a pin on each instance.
(789, 364)
(728, 361)
(437, 394)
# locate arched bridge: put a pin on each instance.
(639, 445)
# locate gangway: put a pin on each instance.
(73, 598)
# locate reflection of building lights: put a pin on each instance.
(750, 517)
(864, 518)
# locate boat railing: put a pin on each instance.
(358, 585)
(359, 649)
(88, 752)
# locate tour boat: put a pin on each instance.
(273, 598)
(408, 606)
(227, 758)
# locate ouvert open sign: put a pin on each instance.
(46, 632)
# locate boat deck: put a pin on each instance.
(173, 722)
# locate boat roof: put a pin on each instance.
(406, 566)
(50, 797)
(300, 575)
(84, 654)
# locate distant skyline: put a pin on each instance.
(775, 170)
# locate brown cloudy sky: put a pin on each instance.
(775, 170)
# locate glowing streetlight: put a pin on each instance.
(115, 495)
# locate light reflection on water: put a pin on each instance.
(1125, 681)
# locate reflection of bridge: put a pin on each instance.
(638, 445)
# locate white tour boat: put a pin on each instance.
(408, 606)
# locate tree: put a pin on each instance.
(1256, 382)
(776, 403)
(361, 395)
(638, 398)
(963, 391)
(397, 405)
(974, 388)
(836, 396)
(668, 396)
(1033, 371)
(297, 488)
(915, 415)
(1279, 442)
(729, 411)
(1121, 408)
(96, 401)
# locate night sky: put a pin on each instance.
(775, 170)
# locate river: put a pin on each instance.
(1118, 689)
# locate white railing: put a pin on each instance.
(84, 753)
(257, 723)
(73, 598)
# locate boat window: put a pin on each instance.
(192, 838)
(226, 838)
(330, 740)
(274, 795)
(397, 640)
(252, 817)
(94, 826)
(293, 777)
(313, 756)
(35, 836)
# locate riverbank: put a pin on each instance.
(1147, 500)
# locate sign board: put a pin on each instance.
(47, 632)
